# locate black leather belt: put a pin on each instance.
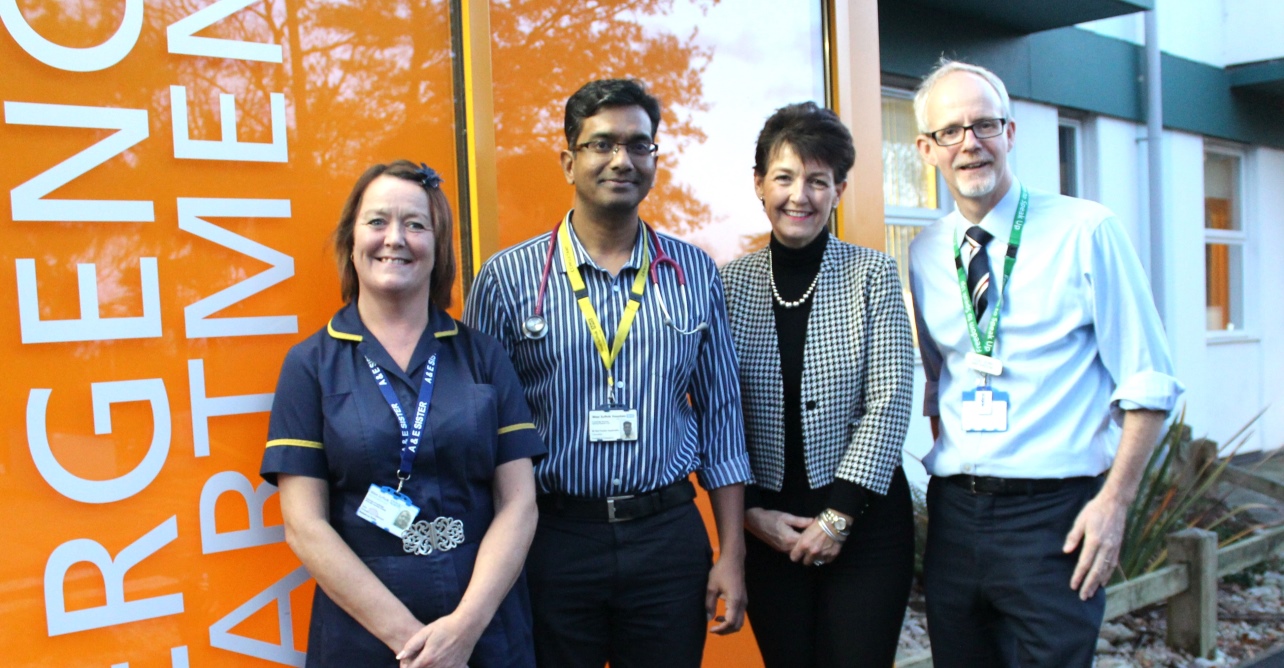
(1011, 486)
(618, 508)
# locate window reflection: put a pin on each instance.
(707, 64)
(907, 180)
(1224, 242)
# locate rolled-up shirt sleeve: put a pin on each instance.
(1130, 336)
(715, 395)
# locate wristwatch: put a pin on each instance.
(837, 522)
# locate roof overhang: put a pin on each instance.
(1030, 16)
(1265, 77)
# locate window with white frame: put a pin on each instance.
(913, 194)
(1224, 239)
(1070, 154)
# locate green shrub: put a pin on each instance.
(1174, 494)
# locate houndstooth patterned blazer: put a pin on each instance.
(858, 363)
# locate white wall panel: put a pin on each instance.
(1034, 158)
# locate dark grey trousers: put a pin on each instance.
(998, 585)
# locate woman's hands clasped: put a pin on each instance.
(445, 643)
(800, 537)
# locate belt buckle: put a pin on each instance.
(610, 507)
(440, 535)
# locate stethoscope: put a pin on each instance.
(536, 327)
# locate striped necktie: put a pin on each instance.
(978, 267)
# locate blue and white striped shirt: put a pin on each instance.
(656, 371)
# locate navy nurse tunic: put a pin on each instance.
(330, 421)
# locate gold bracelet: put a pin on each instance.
(829, 531)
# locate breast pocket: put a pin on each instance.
(466, 431)
(349, 447)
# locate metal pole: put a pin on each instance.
(1155, 160)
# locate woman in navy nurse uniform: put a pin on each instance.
(424, 575)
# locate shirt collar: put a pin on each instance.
(582, 257)
(346, 325)
(999, 220)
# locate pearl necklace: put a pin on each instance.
(776, 293)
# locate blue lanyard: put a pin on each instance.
(409, 435)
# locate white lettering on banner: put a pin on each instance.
(204, 408)
(230, 481)
(197, 316)
(177, 659)
(115, 137)
(72, 59)
(117, 610)
(284, 653)
(28, 199)
(228, 148)
(90, 326)
(151, 390)
(182, 37)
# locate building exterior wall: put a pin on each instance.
(1265, 183)
(1215, 32)
(1230, 375)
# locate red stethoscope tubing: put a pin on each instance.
(661, 257)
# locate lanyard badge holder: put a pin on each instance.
(388, 508)
(984, 408)
(611, 421)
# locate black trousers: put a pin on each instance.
(631, 593)
(847, 612)
(998, 585)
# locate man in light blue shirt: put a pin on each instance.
(1048, 382)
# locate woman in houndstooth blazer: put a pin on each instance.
(826, 366)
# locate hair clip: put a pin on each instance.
(428, 176)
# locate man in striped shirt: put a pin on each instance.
(627, 364)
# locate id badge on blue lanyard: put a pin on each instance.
(385, 507)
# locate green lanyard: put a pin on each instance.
(969, 312)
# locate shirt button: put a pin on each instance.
(811, 405)
(616, 482)
(619, 384)
(616, 288)
(967, 468)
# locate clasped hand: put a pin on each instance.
(445, 643)
(800, 537)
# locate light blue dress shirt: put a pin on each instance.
(1079, 338)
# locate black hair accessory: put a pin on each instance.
(428, 176)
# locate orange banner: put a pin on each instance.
(174, 170)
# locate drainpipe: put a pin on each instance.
(1155, 160)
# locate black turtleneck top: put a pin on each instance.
(793, 270)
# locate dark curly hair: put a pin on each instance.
(594, 95)
(813, 132)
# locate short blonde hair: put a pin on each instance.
(946, 67)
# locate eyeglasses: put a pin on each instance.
(636, 148)
(982, 129)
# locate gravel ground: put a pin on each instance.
(1250, 622)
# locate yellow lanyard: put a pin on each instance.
(607, 353)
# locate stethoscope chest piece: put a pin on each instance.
(535, 327)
